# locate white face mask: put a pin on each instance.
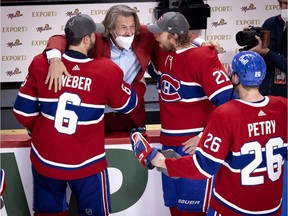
(284, 14)
(124, 42)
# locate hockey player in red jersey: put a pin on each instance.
(191, 82)
(244, 145)
(67, 127)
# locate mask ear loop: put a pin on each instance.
(113, 38)
(113, 33)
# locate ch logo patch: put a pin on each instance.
(169, 88)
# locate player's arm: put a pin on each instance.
(56, 46)
(214, 78)
(217, 86)
(147, 155)
(126, 97)
(198, 41)
(151, 157)
(208, 157)
(56, 42)
(139, 87)
(179, 167)
(214, 44)
(26, 105)
(159, 161)
(123, 97)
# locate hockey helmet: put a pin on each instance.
(250, 68)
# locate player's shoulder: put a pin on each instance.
(144, 32)
(203, 52)
(99, 36)
(228, 108)
(143, 29)
(237, 105)
(105, 64)
(197, 55)
(39, 59)
(225, 113)
(278, 101)
(100, 60)
(209, 49)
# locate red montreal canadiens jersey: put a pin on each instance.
(67, 126)
(190, 83)
(247, 144)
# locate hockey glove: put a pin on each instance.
(143, 150)
(141, 130)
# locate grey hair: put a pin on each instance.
(112, 14)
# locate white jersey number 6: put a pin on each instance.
(66, 120)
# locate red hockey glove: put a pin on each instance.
(142, 148)
(141, 130)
